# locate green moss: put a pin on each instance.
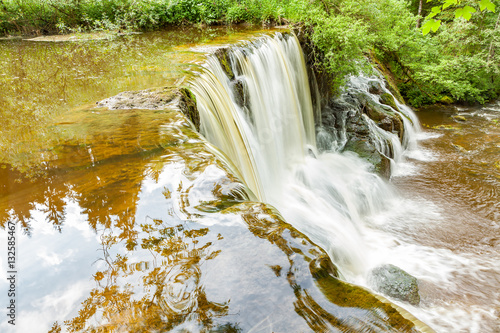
(344, 294)
(459, 118)
(187, 105)
(223, 55)
(446, 100)
(387, 99)
(388, 75)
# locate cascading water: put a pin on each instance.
(271, 140)
(255, 105)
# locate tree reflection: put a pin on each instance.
(171, 284)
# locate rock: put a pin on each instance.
(387, 99)
(395, 282)
(459, 148)
(357, 126)
(223, 55)
(384, 116)
(322, 266)
(187, 104)
(156, 99)
(239, 89)
(375, 87)
(460, 119)
(151, 99)
(366, 150)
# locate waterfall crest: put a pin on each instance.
(263, 118)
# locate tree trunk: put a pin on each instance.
(419, 12)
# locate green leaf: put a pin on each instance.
(465, 12)
(426, 27)
(435, 10)
(449, 3)
(487, 4)
(431, 24)
(435, 25)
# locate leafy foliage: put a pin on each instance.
(461, 10)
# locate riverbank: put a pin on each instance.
(439, 66)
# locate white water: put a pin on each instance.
(332, 197)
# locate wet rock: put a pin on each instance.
(395, 282)
(358, 126)
(384, 116)
(223, 55)
(387, 99)
(187, 104)
(239, 89)
(375, 87)
(156, 99)
(151, 99)
(458, 118)
(459, 148)
(366, 150)
(322, 267)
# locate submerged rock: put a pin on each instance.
(395, 282)
(458, 118)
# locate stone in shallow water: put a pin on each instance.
(395, 282)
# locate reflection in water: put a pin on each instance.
(173, 293)
(43, 80)
(100, 168)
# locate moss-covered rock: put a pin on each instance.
(392, 84)
(187, 104)
(384, 116)
(363, 147)
(240, 94)
(322, 266)
(458, 118)
(222, 55)
(388, 99)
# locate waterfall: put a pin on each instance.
(255, 105)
